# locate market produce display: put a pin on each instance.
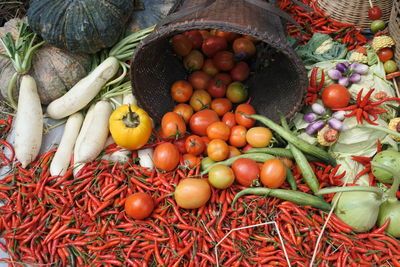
(213, 183)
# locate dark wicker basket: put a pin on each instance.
(278, 88)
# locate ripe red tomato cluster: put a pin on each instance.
(208, 118)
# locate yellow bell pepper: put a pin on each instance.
(130, 127)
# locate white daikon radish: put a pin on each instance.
(84, 91)
(85, 126)
(28, 122)
(146, 158)
(122, 155)
(129, 99)
(96, 134)
(62, 157)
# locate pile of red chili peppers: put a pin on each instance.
(81, 221)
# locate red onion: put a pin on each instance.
(341, 67)
(314, 127)
(310, 117)
(339, 115)
(335, 124)
(355, 78)
(344, 81)
(334, 74)
(318, 108)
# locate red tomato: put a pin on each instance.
(200, 99)
(166, 157)
(201, 120)
(238, 136)
(206, 141)
(229, 36)
(180, 144)
(273, 173)
(385, 54)
(209, 67)
(233, 152)
(335, 96)
(214, 44)
(190, 160)
(181, 45)
(194, 145)
(242, 120)
(223, 60)
(247, 147)
(229, 119)
(374, 13)
(185, 110)
(139, 206)
(172, 124)
(225, 78)
(243, 47)
(193, 61)
(199, 80)
(221, 105)
(181, 91)
(216, 88)
(246, 171)
(218, 130)
(195, 37)
(205, 34)
(240, 72)
(217, 150)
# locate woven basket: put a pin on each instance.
(394, 29)
(278, 88)
(354, 11)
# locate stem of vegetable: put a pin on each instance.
(278, 151)
(10, 88)
(396, 179)
(132, 119)
(331, 190)
(259, 157)
(302, 162)
(296, 141)
(297, 197)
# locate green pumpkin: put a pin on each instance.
(85, 26)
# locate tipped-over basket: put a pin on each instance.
(277, 84)
(354, 11)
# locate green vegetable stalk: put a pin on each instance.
(297, 197)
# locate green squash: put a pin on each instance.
(85, 26)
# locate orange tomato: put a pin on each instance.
(221, 105)
(259, 136)
(181, 91)
(206, 141)
(166, 156)
(229, 119)
(139, 205)
(242, 120)
(209, 67)
(184, 110)
(218, 130)
(218, 150)
(172, 124)
(273, 173)
(200, 99)
(238, 136)
(190, 160)
(233, 152)
(243, 47)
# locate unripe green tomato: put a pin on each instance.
(389, 158)
(377, 25)
(390, 66)
(221, 176)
